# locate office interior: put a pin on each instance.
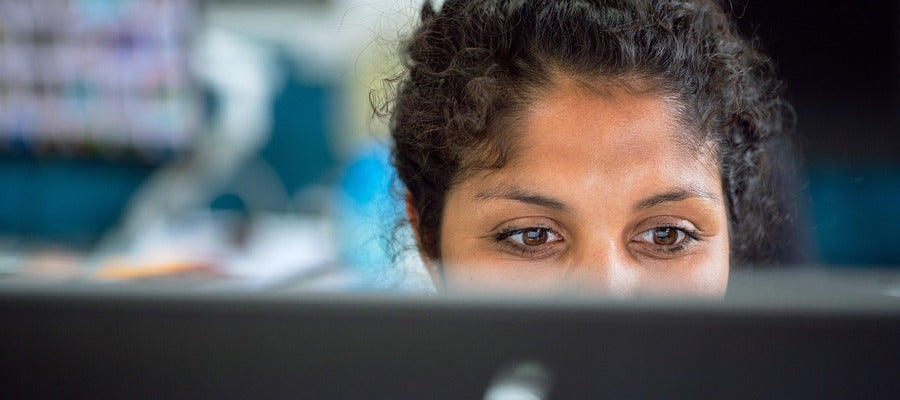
(227, 143)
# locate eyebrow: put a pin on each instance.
(518, 194)
(672, 196)
(524, 196)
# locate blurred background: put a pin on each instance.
(206, 142)
(229, 143)
(841, 62)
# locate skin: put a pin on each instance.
(596, 178)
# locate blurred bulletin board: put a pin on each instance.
(93, 96)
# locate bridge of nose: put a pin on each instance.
(603, 264)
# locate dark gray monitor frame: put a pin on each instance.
(108, 342)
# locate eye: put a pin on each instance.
(529, 241)
(532, 236)
(666, 237)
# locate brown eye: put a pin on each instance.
(666, 240)
(665, 236)
(530, 241)
(534, 236)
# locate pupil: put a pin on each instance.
(534, 237)
(665, 236)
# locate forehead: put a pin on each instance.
(616, 139)
(606, 124)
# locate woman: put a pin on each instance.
(615, 146)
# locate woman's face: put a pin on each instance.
(600, 196)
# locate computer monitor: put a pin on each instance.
(110, 342)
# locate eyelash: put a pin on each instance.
(506, 233)
(691, 236)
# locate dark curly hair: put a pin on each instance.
(471, 66)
